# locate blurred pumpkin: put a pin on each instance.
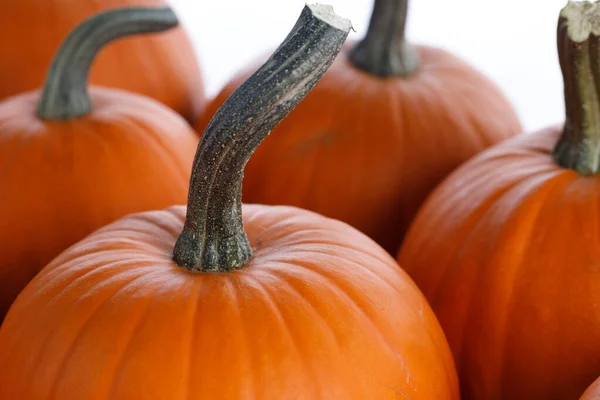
(163, 66)
(73, 161)
(249, 302)
(506, 250)
(383, 127)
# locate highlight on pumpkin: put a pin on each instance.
(593, 392)
(221, 301)
(76, 157)
(386, 124)
(506, 249)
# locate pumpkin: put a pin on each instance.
(219, 301)
(383, 127)
(74, 159)
(506, 249)
(163, 67)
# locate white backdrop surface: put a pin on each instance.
(511, 41)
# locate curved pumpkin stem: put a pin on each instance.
(65, 94)
(213, 237)
(579, 53)
(384, 51)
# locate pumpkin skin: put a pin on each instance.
(506, 252)
(368, 150)
(163, 66)
(320, 312)
(61, 181)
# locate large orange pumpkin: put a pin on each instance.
(73, 161)
(297, 306)
(506, 250)
(384, 126)
(163, 66)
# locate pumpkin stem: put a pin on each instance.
(384, 51)
(65, 95)
(213, 237)
(579, 54)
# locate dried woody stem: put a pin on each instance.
(384, 51)
(65, 95)
(213, 237)
(578, 49)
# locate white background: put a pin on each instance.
(511, 41)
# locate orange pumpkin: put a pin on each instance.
(261, 302)
(73, 161)
(384, 126)
(593, 392)
(163, 67)
(506, 250)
